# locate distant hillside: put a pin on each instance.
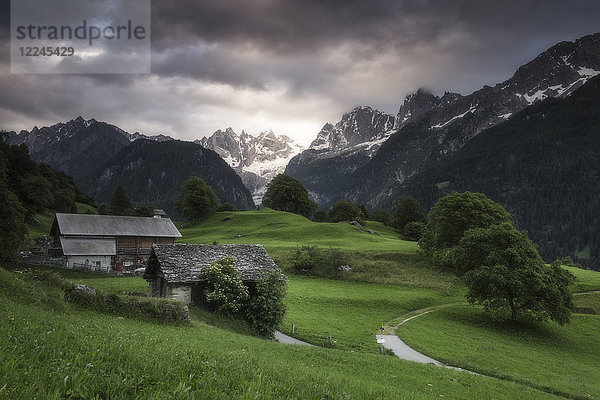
(76, 147)
(100, 156)
(37, 186)
(543, 165)
(153, 172)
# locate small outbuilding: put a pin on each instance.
(175, 271)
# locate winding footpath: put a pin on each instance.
(285, 339)
(405, 352)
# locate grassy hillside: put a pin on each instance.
(277, 229)
(46, 219)
(350, 312)
(563, 359)
(586, 280)
(57, 351)
(51, 349)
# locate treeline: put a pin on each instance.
(26, 188)
(543, 166)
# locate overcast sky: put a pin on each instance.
(291, 66)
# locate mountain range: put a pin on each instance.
(530, 142)
(100, 156)
(256, 159)
(431, 145)
(427, 128)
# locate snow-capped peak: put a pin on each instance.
(257, 159)
(361, 125)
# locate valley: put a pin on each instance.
(70, 350)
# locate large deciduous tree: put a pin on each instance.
(196, 200)
(345, 210)
(504, 272)
(285, 193)
(452, 216)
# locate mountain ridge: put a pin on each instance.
(428, 127)
(256, 159)
(81, 148)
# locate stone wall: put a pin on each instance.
(181, 293)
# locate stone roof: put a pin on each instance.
(183, 263)
(112, 225)
(88, 247)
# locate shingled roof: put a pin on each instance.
(183, 263)
(112, 225)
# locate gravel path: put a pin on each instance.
(281, 338)
(403, 351)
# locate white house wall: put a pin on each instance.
(89, 261)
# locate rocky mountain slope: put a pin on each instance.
(427, 128)
(542, 164)
(99, 156)
(431, 127)
(153, 173)
(340, 149)
(256, 159)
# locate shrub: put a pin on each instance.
(320, 216)
(344, 210)
(382, 216)
(227, 206)
(319, 262)
(225, 290)
(413, 231)
(265, 310)
(156, 309)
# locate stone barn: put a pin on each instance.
(175, 271)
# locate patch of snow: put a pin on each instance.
(470, 110)
(274, 166)
(539, 95)
(588, 73)
(565, 60)
(233, 162)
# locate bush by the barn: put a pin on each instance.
(265, 310)
(312, 260)
(224, 290)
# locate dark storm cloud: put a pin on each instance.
(475, 31)
(293, 65)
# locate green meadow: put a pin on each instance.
(560, 359)
(276, 229)
(52, 349)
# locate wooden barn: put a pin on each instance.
(175, 271)
(108, 242)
